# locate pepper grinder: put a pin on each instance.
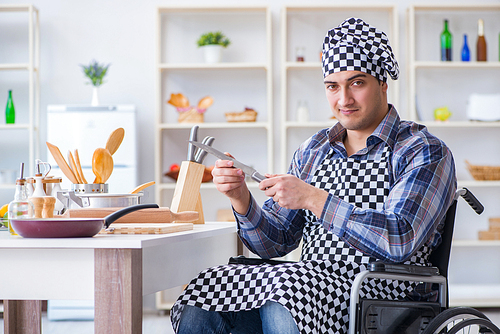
(38, 196)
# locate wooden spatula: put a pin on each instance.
(61, 162)
(102, 165)
(114, 140)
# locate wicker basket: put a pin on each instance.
(245, 116)
(484, 173)
(191, 116)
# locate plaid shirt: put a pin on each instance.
(422, 186)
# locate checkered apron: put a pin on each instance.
(316, 289)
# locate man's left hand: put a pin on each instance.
(292, 193)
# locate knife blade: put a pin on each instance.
(193, 136)
(245, 168)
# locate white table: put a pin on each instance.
(114, 270)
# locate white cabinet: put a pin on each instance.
(19, 71)
(242, 80)
(474, 274)
(303, 29)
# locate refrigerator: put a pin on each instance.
(86, 128)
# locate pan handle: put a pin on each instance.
(120, 213)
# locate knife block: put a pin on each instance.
(187, 195)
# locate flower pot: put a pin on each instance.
(95, 96)
(212, 53)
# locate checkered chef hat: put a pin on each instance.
(356, 46)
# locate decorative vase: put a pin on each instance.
(213, 53)
(95, 96)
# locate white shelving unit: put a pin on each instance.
(305, 27)
(474, 274)
(29, 121)
(242, 79)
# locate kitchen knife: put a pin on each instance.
(246, 169)
(201, 154)
(193, 137)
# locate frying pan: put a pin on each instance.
(69, 227)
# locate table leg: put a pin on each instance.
(118, 291)
(22, 316)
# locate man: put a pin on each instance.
(371, 187)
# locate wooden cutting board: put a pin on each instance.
(145, 228)
(160, 215)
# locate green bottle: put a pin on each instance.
(10, 111)
(446, 43)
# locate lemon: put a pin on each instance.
(6, 219)
(4, 209)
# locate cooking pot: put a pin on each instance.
(69, 227)
(98, 200)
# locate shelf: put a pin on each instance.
(217, 66)
(476, 243)
(303, 65)
(19, 66)
(473, 183)
(457, 7)
(321, 124)
(14, 126)
(474, 295)
(461, 124)
(215, 125)
(17, 8)
(456, 64)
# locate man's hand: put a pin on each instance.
(292, 193)
(231, 182)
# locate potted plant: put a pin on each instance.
(212, 44)
(96, 73)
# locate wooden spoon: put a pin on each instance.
(61, 162)
(142, 186)
(102, 165)
(72, 164)
(114, 140)
(79, 166)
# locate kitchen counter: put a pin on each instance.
(115, 270)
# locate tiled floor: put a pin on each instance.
(154, 323)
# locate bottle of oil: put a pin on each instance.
(481, 42)
(446, 43)
(10, 111)
(20, 207)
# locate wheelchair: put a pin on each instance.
(375, 316)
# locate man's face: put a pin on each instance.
(358, 100)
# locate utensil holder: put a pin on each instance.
(187, 195)
(91, 188)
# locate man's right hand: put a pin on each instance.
(231, 182)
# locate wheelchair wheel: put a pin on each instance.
(461, 320)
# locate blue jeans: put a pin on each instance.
(271, 318)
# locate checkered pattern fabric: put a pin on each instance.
(356, 46)
(316, 289)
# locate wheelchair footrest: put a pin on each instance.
(395, 317)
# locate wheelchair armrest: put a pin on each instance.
(379, 266)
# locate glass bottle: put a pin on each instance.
(446, 43)
(465, 50)
(20, 207)
(299, 54)
(481, 42)
(302, 112)
(10, 111)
